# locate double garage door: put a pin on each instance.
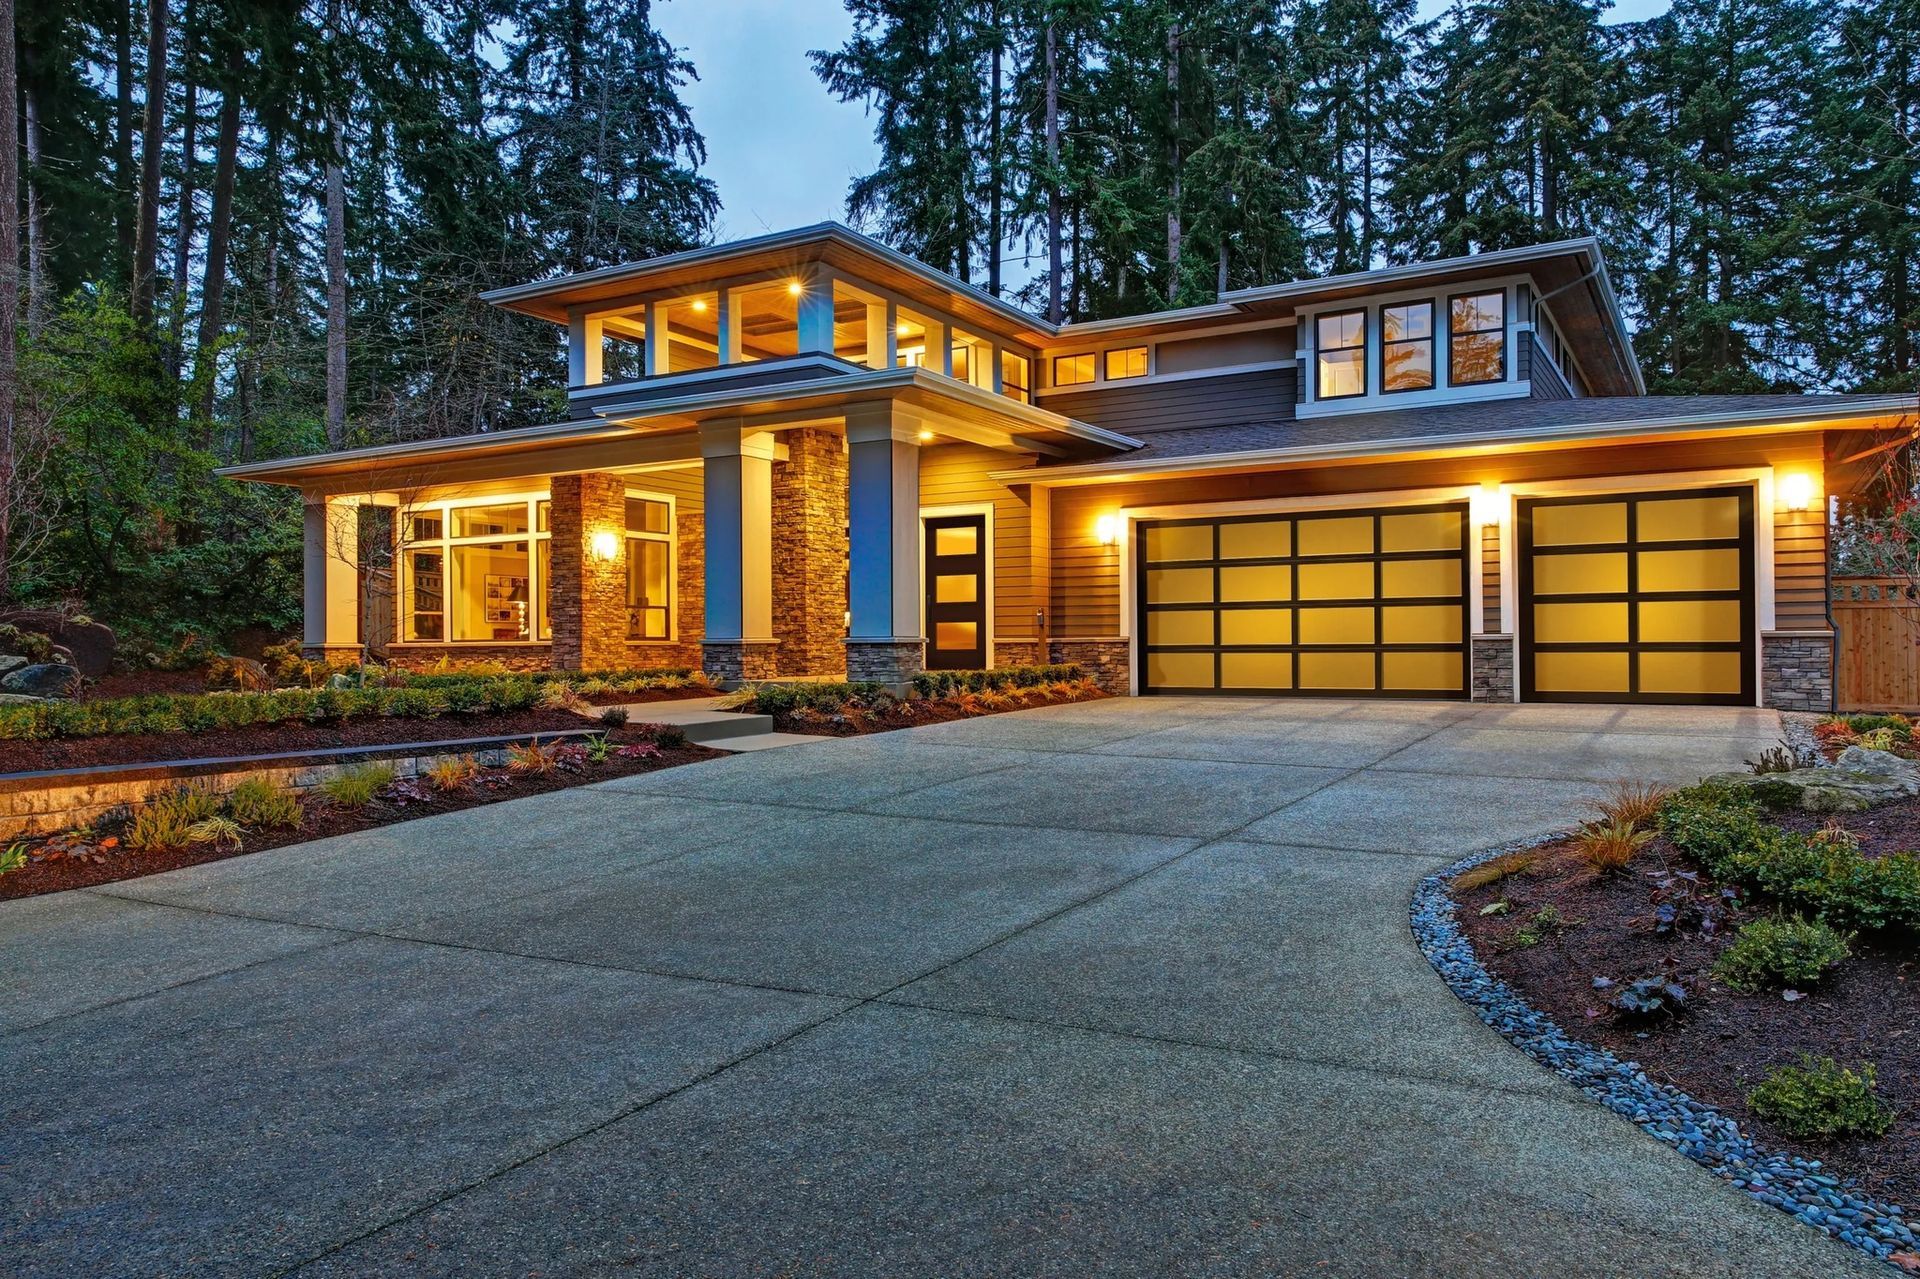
(1628, 597)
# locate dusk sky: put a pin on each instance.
(779, 146)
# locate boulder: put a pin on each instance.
(1859, 759)
(90, 643)
(10, 662)
(1822, 790)
(47, 679)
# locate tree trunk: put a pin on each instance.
(1053, 177)
(9, 292)
(146, 239)
(183, 237)
(36, 219)
(123, 130)
(1173, 163)
(994, 229)
(214, 280)
(336, 259)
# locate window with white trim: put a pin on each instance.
(1477, 338)
(1340, 349)
(1072, 370)
(649, 568)
(1126, 362)
(1406, 346)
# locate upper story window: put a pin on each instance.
(1406, 347)
(1340, 347)
(1072, 370)
(1130, 361)
(1016, 377)
(1477, 338)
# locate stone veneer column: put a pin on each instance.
(587, 598)
(1490, 668)
(737, 466)
(810, 553)
(884, 641)
(1796, 670)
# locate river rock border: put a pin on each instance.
(1794, 1185)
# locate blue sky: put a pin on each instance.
(779, 146)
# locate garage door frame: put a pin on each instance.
(1469, 550)
(1748, 594)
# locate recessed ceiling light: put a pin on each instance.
(925, 436)
(699, 304)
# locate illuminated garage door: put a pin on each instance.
(1337, 603)
(1644, 597)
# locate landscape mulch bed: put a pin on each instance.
(322, 819)
(910, 713)
(274, 739)
(1868, 1010)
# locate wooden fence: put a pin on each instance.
(1878, 651)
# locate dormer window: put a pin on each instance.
(1340, 343)
(1406, 347)
(1477, 339)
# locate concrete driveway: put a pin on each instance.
(1120, 988)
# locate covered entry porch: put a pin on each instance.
(751, 540)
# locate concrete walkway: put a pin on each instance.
(1116, 988)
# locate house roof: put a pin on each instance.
(1466, 426)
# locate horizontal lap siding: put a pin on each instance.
(958, 475)
(1086, 575)
(1264, 396)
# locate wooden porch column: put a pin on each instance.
(331, 530)
(737, 465)
(884, 641)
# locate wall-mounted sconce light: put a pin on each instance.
(1106, 530)
(604, 545)
(793, 288)
(926, 437)
(1489, 506)
(1796, 491)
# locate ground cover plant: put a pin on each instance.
(1765, 962)
(191, 824)
(848, 709)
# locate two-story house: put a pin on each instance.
(806, 454)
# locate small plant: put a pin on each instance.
(1523, 862)
(599, 749)
(357, 787)
(532, 759)
(163, 823)
(1608, 846)
(614, 717)
(1821, 1098)
(1541, 925)
(569, 757)
(665, 736)
(1650, 999)
(215, 830)
(1634, 804)
(556, 696)
(260, 805)
(452, 773)
(1774, 759)
(638, 750)
(1781, 952)
(13, 859)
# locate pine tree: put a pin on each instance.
(1355, 60)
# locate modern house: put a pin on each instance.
(807, 454)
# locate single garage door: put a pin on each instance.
(1643, 597)
(1336, 603)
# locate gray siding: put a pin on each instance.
(1545, 379)
(1264, 396)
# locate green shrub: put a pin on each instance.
(1781, 952)
(357, 787)
(782, 699)
(259, 804)
(1716, 824)
(165, 822)
(215, 830)
(1821, 1099)
(1899, 726)
(14, 858)
(940, 683)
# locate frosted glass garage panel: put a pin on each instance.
(1256, 670)
(1178, 542)
(1328, 671)
(1180, 627)
(1415, 579)
(1180, 586)
(1580, 623)
(1422, 672)
(1336, 581)
(1690, 621)
(1575, 672)
(1421, 624)
(1258, 539)
(1256, 626)
(1580, 524)
(1180, 670)
(1691, 673)
(1689, 519)
(1345, 536)
(1421, 531)
(1584, 574)
(1336, 626)
(1680, 571)
(1256, 583)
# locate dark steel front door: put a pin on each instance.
(956, 578)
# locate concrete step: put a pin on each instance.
(764, 741)
(705, 726)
